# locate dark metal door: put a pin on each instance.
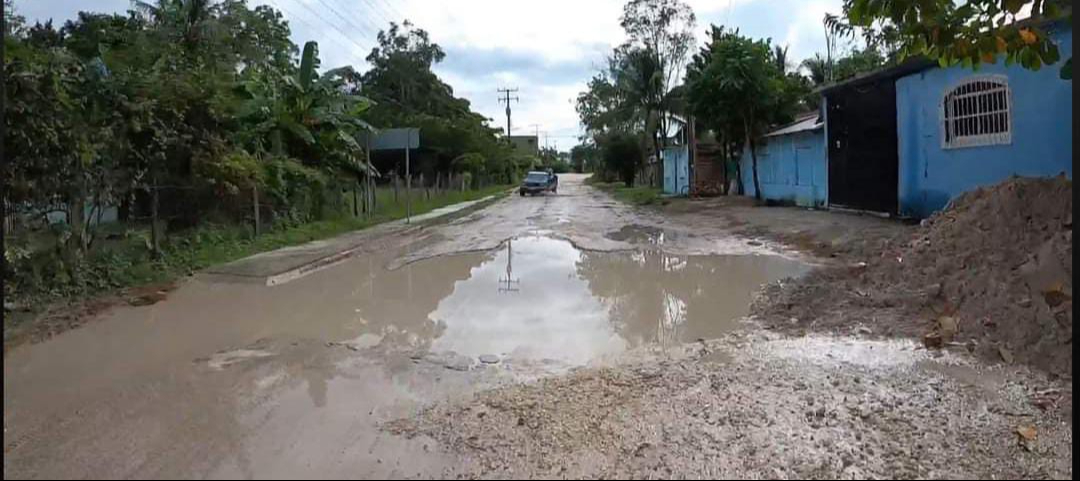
(863, 159)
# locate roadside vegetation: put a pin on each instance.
(737, 87)
(186, 133)
(640, 195)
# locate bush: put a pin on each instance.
(622, 155)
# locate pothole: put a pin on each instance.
(542, 298)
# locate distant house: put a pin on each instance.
(791, 163)
(905, 140)
(526, 144)
(676, 155)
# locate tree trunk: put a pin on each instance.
(753, 162)
(740, 187)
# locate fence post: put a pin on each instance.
(255, 203)
(155, 240)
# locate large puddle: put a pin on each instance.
(541, 298)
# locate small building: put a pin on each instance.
(676, 156)
(526, 144)
(791, 164)
(907, 139)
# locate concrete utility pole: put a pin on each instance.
(507, 98)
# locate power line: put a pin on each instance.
(372, 25)
(334, 27)
(372, 8)
(365, 31)
(316, 29)
(507, 100)
(393, 10)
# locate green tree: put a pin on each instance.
(622, 154)
(735, 87)
(660, 35)
(967, 33)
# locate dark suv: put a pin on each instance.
(537, 182)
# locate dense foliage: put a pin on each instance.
(181, 113)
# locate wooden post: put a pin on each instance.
(408, 189)
(155, 240)
(255, 202)
(355, 198)
(371, 193)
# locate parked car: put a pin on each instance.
(536, 182)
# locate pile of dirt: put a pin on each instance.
(991, 273)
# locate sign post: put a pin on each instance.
(397, 139)
(408, 189)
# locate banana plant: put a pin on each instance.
(307, 115)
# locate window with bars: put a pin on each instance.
(977, 112)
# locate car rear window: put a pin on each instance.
(536, 177)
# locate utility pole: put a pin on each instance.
(507, 98)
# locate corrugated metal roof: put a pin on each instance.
(810, 122)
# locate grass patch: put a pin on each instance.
(640, 195)
(124, 260)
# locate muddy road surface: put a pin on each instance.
(554, 336)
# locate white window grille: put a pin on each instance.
(977, 112)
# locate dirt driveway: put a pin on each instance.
(557, 336)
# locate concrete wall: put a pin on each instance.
(1041, 145)
(791, 168)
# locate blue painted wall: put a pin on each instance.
(676, 170)
(790, 168)
(1041, 145)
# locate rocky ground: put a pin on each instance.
(765, 405)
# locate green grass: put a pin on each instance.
(641, 195)
(124, 260)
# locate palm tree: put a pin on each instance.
(187, 21)
(781, 56)
(817, 67)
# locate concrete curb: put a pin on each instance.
(418, 222)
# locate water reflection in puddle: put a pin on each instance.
(541, 298)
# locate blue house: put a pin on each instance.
(906, 140)
(960, 129)
(791, 164)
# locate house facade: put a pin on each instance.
(791, 164)
(906, 140)
(960, 129)
(525, 144)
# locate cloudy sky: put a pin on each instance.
(547, 49)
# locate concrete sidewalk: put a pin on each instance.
(283, 265)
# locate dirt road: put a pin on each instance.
(556, 336)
